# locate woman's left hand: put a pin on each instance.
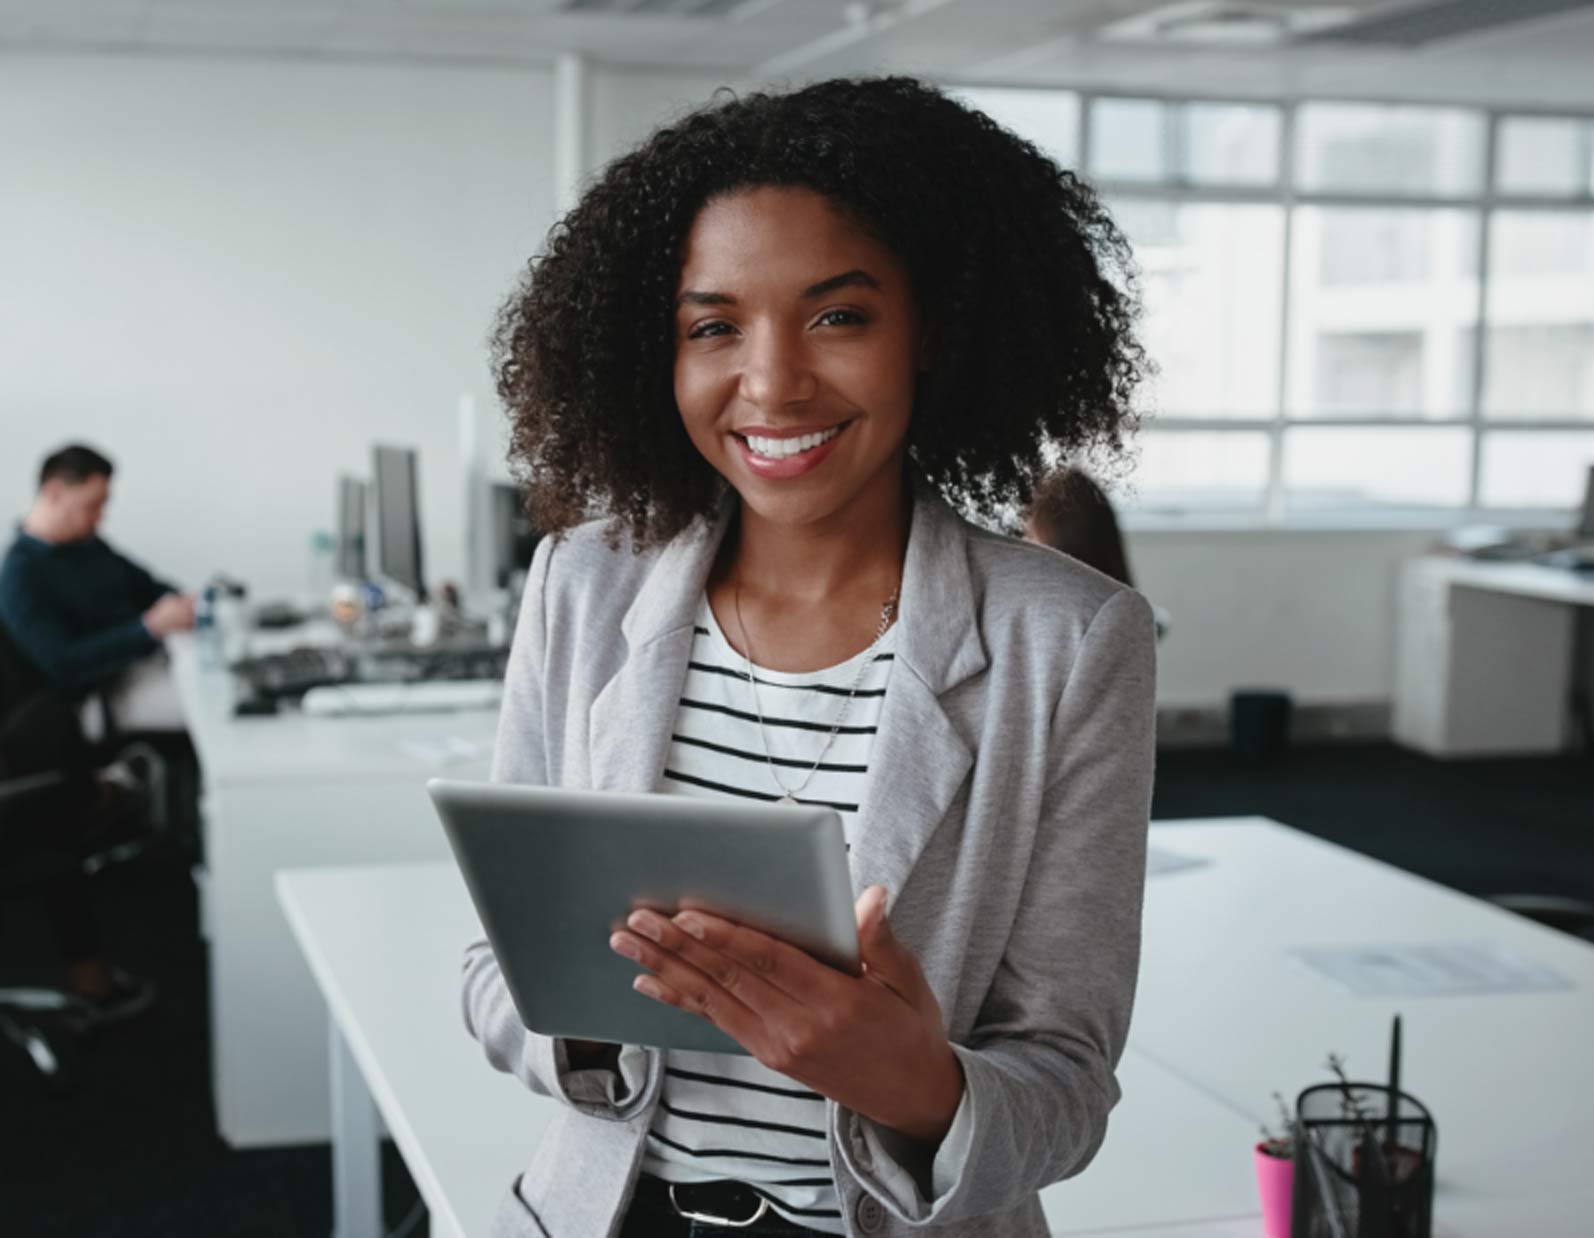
(873, 1043)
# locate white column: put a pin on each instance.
(570, 128)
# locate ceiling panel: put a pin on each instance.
(1051, 42)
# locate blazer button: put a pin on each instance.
(871, 1215)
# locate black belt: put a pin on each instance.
(732, 1205)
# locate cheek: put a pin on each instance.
(700, 396)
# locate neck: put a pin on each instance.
(861, 546)
(38, 523)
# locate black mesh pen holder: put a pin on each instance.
(1362, 1169)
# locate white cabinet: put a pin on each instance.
(1483, 657)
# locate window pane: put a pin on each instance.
(1211, 280)
(1536, 470)
(1541, 315)
(1199, 471)
(1128, 140)
(1231, 144)
(1384, 312)
(1337, 468)
(1048, 118)
(1361, 148)
(1548, 156)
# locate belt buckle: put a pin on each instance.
(710, 1219)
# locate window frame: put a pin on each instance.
(1484, 203)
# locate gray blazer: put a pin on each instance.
(1006, 815)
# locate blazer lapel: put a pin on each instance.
(920, 760)
(632, 717)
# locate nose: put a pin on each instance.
(777, 371)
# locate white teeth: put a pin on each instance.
(781, 448)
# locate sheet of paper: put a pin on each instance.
(1160, 862)
(1431, 969)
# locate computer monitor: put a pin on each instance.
(351, 529)
(398, 518)
(1585, 526)
(513, 536)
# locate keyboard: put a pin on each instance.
(437, 696)
(299, 671)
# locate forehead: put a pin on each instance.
(774, 236)
(91, 489)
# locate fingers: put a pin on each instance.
(707, 982)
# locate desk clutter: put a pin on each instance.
(397, 670)
(1357, 1161)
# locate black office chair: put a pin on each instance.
(1564, 912)
(25, 1013)
(43, 1022)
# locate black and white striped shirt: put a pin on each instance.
(722, 1116)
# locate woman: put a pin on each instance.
(769, 345)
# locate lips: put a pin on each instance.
(779, 455)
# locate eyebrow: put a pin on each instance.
(855, 278)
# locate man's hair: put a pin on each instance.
(1025, 283)
(75, 464)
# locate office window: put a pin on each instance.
(1536, 470)
(1384, 312)
(1414, 469)
(1129, 140)
(1540, 312)
(1377, 367)
(1545, 156)
(1048, 118)
(1198, 471)
(1366, 149)
(1230, 143)
(1211, 279)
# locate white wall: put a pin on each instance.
(235, 275)
(1308, 611)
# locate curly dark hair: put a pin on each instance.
(1025, 285)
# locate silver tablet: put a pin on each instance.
(553, 872)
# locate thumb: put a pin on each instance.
(885, 959)
(871, 912)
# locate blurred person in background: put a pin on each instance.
(1071, 513)
(82, 615)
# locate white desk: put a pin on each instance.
(1508, 1078)
(281, 792)
(1483, 656)
(392, 982)
(1224, 1018)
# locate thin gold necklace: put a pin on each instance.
(788, 795)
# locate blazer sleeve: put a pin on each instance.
(520, 755)
(1039, 1068)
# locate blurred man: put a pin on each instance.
(79, 612)
(75, 616)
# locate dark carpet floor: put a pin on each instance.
(131, 1150)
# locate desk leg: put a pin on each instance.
(356, 1148)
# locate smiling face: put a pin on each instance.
(796, 353)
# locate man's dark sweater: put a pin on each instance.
(75, 609)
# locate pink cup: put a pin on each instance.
(1275, 1181)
